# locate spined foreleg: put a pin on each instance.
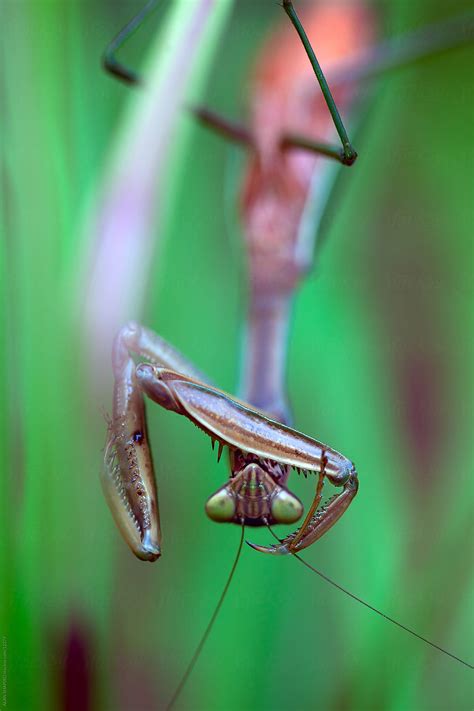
(318, 521)
(127, 475)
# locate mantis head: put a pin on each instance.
(252, 495)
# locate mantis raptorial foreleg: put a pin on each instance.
(239, 427)
(127, 476)
(318, 521)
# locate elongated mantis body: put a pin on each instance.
(284, 172)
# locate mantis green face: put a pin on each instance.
(253, 496)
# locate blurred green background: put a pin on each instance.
(86, 625)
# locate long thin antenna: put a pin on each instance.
(382, 614)
(374, 609)
(208, 629)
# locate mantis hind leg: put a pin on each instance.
(110, 61)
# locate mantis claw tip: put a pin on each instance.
(275, 550)
(151, 549)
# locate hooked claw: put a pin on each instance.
(150, 550)
(280, 549)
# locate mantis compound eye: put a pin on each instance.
(220, 506)
(286, 507)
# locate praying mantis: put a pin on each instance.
(284, 169)
(262, 446)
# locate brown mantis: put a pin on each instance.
(262, 447)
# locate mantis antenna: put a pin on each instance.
(371, 607)
(210, 624)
